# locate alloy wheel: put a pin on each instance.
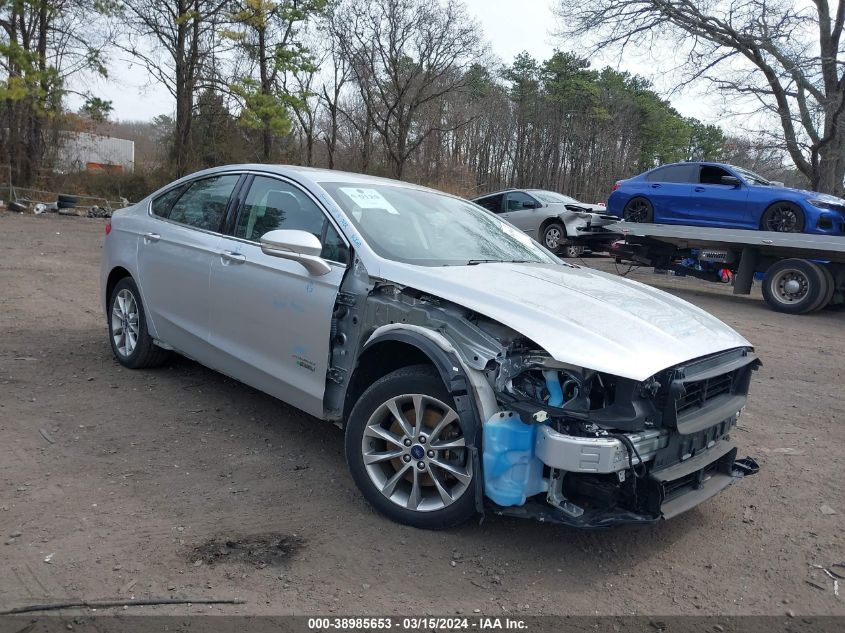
(124, 322)
(783, 219)
(415, 453)
(552, 238)
(636, 211)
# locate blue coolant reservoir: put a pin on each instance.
(511, 471)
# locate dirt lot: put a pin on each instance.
(182, 482)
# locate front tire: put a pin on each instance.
(572, 251)
(407, 450)
(131, 343)
(783, 217)
(553, 235)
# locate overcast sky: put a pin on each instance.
(510, 26)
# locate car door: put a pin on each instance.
(669, 189)
(521, 210)
(271, 318)
(716, 203)
(174, 260)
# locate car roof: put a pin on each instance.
(315, 175)
(712, 163)
(496, 193)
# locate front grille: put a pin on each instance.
(677, 487)
(698, 393)
(705, 391)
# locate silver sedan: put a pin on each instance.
(471, 369)
(562, 224)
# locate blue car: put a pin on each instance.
(724, 196)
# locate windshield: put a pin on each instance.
(750, 177)
(551, 197)
(431, 229)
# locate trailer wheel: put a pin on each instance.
(794, 286)
(829, 286)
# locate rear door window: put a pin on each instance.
(672, 173)
(203, 205)
(492, 203)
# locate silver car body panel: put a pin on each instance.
(643, 330)
(482, 390)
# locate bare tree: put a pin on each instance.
(172, 39)
(332, 89)
(782, 54)
(405, 55)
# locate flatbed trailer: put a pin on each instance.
(801, 272)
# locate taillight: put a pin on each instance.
(616, 186)
(108, 226)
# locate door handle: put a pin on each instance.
(233, 258)
(699, 189)
(151, 237)
(655, 186)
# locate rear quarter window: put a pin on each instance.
(162, 205)
(672, 173)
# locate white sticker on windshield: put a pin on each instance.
(368, 199)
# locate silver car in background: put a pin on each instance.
(471, 370)
(562, 224)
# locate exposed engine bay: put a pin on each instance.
(605, 449)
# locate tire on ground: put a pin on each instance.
(794, 286)
(829, 287)
(415, 379)
(145, 353)
(66, 202)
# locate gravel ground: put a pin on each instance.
(181, 482)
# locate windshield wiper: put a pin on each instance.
(473, 262)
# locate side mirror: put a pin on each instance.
(731, 180)
(298, 246)
(776, 183)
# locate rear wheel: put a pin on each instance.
(407, 450)
(794, 286)
(638, 210)
(130, 341)
(828, 286)
(571, 250)
(783, 217)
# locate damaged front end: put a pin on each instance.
(589, 449)
(558, 442)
